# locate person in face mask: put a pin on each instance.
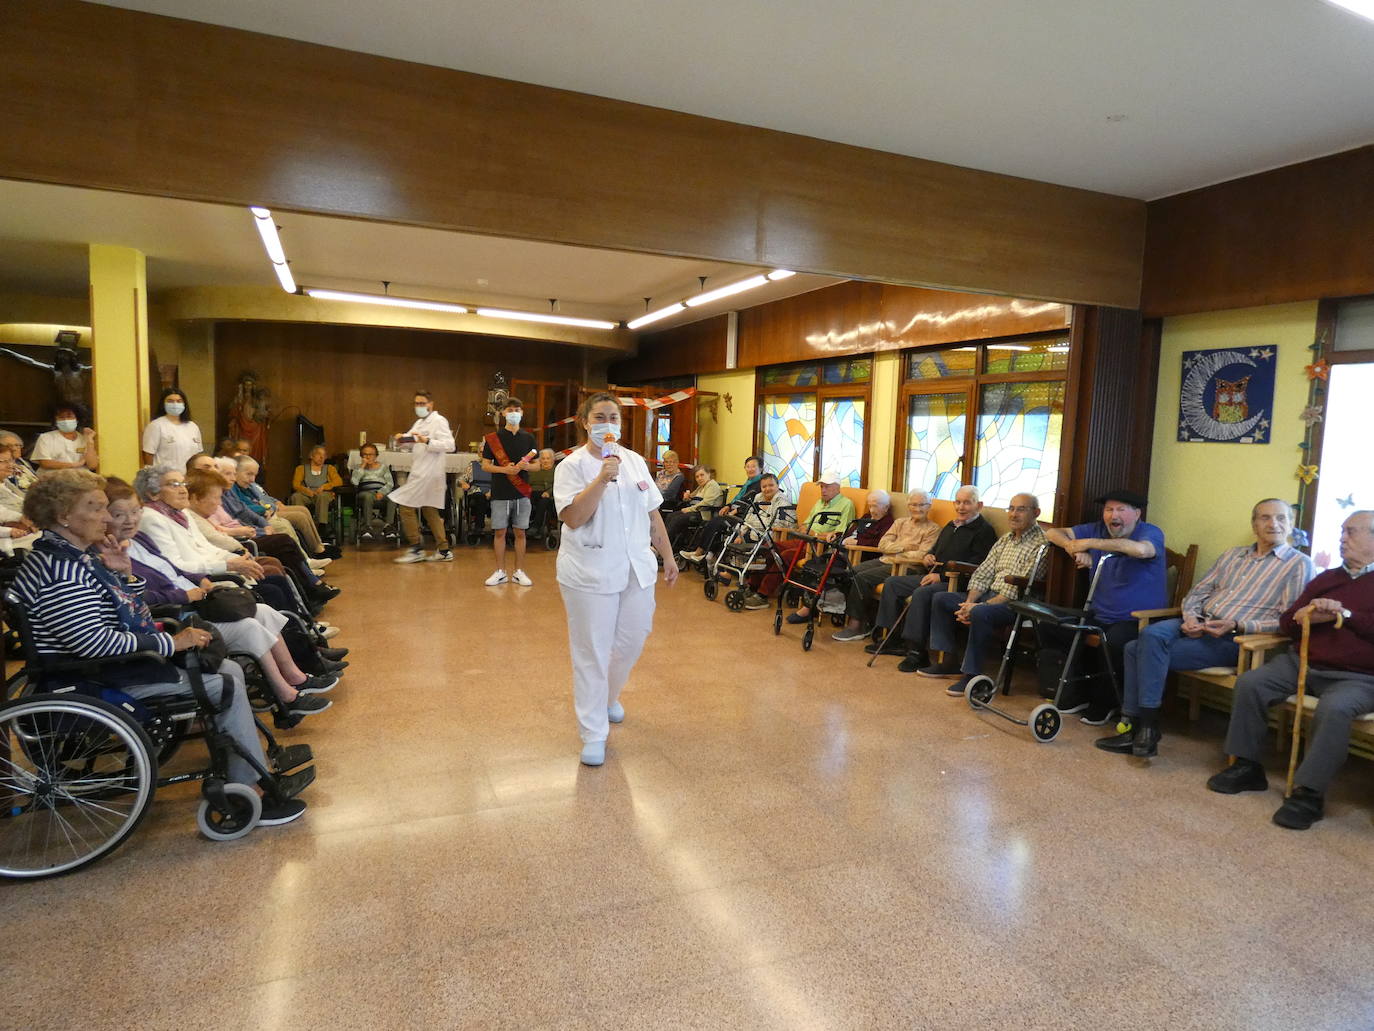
(608, 501)
(429, 439)
(508, 455)
(66, 446)
(172, 438)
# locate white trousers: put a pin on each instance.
(606, 633)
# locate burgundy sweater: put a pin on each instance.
(1351, 647)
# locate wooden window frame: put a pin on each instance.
(820, 393)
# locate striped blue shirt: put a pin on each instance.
(1250, 588)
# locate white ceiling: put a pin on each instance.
(44, 232)
(1141, 98)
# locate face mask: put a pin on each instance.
(66, 425)
(421, 411)
(513, 418)
(174, 407)
(604, 433)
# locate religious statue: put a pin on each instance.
(497, 395)
(68, 373)
(250, 414)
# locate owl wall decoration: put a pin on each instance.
(1227, 395)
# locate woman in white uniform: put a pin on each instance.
(608, 502)
(428, 440)
(172, 439)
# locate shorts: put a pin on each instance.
(501, 514)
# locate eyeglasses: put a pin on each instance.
(174, 483)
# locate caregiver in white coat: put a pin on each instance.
(608, 501)
(429, 439)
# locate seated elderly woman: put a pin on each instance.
(24, 474)
(314, 483)
(909, 539)
(83, 600)
(670, 482)
(708, 495)
(258, 635)
(248, 495)
(16, 532)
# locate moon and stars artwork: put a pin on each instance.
(1227, 396)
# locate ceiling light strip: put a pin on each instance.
(385, 300)
(556, 320)
(271, 243)
(654, 316)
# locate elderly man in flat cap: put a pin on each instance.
(1135, 577)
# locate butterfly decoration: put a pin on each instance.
(1307, 473)
(1311, 415)
(1346, 502)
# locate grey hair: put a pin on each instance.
(883, 496)
(547, 451)
(7, 438)
(148, 481)
(1272, 501)
(243, 460)
(918, 490)
(977, 494)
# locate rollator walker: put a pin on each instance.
(1045, 720)
(803, 579)
(741, 554)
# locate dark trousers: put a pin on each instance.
(708, 537)
(865, 577)
(984, 624)
(1116, 637)
(679, 524)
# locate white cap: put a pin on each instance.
(829, 476)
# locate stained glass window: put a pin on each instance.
(1028, 355)
(847, 370)
(1019, 426)
(842, 438)
(952, 361)
(787, 424)
(935, 442)
(804, 374)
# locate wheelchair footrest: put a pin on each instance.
(287, 758)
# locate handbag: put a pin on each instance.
(212, 654)
(227, 605)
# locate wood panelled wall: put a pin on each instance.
(237, 117)
(680, 351)
(355, 378)
(1293, 234)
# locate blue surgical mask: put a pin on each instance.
(174, 407)
(603, 432)
(513, 418)
(421, 411)
(66, 425)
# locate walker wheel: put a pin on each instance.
(734, 600)
(777, 623)
(979, 691)
(709, 589)
(806, 640)
(1045, 722)
(837, 619)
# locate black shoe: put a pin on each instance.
(324, 593)
(316, 685)
(332, 667)
(956, 689)
(1146, 745)
(797, 617)
(330, 551)
(307, 705)
(1241, 775)
(1096, 717)
(914, 662)
(1117, 744)
(1300, 810)
(333, 654)
(274, 814)
(940, 669)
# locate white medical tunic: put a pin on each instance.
(600, 555)
(427, 482)
(171, 443)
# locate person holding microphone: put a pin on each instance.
(608, 502)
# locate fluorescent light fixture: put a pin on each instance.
(726, 291)
(557, 320)
(1364, 8)
(384, 300)
(654, 316)
(284, 277)
(780, 273)
(267, 229)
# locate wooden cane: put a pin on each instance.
(1305, 619)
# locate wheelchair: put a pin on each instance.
(81, 761)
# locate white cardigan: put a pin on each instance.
(187, 549)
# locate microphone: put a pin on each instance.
(608, 450)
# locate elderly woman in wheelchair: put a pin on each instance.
(80, 758)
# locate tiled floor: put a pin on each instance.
(778, 839)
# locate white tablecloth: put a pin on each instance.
(454, 463)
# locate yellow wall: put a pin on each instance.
(1202, 493)
(119, 352)
(882, 419)
(727, 440)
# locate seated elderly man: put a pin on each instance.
(906, 540)
(829, 517)
(966, 538)
(541, 488)
(983, 607)
(1340, 674)
(1244, 592)
(1134, 577)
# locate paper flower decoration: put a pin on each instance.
(1307, 473)
(1311, 415)
(1319, 370)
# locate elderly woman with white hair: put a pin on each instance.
(295, 520)
(908, 539)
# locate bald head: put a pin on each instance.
(1022, 511)
(1357, 540)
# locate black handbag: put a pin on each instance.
(212, 654)
(227, 605)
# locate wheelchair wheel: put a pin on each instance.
(551, 540)
(807, 639)
(77, 778)
(777, 623)
(734, 600)
(235, 818)
(1045, 721)
(709, 588)
(473, 538)
(979, 691)
(17, 687)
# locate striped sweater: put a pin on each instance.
(71, 613)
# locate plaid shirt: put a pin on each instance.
(1011, 556)
(1250, 588)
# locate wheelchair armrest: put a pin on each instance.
(228, 578)
(249, 545)
(72, 665)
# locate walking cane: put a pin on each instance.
(1305, 619)
(901, 621)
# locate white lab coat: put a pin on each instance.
(427, 482)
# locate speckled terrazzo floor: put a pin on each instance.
(778, 840)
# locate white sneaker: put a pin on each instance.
(519, 577)
(411, 555)
(329, 632)
(496, 579)
(441, 556)
(318, 563)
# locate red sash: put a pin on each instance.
(494, 442)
